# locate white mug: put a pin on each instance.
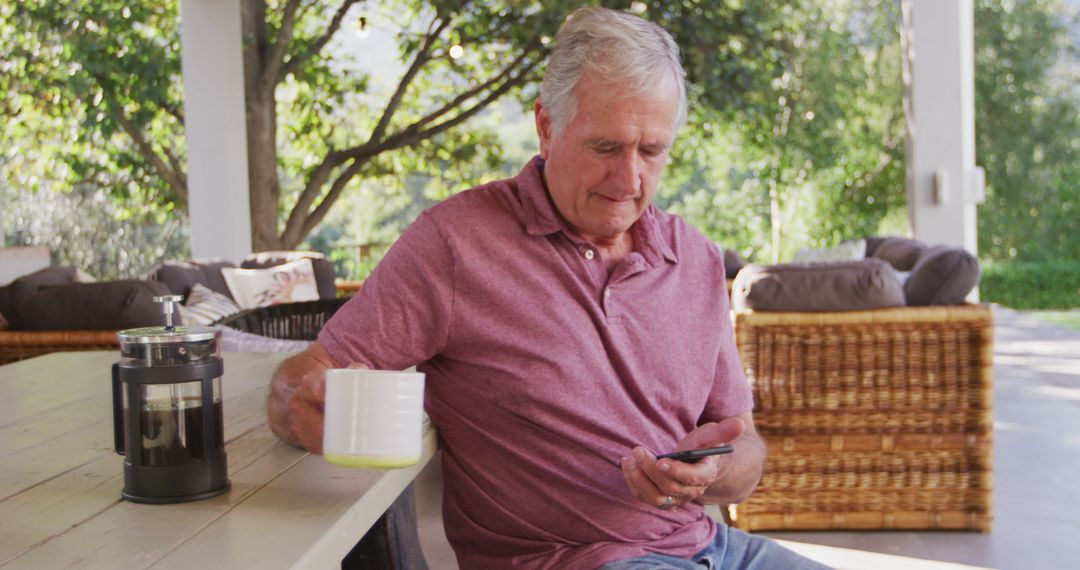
(373, 418)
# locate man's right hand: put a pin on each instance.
(297, 393)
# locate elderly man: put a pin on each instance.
(569, 331)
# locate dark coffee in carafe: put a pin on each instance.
(175, 436)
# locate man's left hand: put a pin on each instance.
(668, 483)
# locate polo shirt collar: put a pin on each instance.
(541, 218)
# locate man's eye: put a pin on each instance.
(606, 149)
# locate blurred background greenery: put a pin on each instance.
(795, 137)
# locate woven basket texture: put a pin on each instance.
(18, 345)
(292, 321)
(874, 419)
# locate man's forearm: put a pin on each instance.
(741, 472)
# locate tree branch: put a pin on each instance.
(302, 220)
(335, 190)
(423, 55)
(174, 175)
(297, 60)
(319, 177)
(473, 91)
(408, 137)
(174, 178)
(274, 58)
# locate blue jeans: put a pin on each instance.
(730, 549)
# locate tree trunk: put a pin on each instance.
(260, 103)
(264, 187)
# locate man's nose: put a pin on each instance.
(627, 175)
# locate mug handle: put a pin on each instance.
(118, 412)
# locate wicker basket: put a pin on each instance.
(18, 345)
(292, 321)
(874, 419)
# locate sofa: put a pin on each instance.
(873, 389)
(54, 310)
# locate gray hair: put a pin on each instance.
(621, 48)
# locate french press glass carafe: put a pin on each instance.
(167, 413)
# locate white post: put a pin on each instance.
(944, 184)
(211, 43)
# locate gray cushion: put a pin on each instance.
(901, 253)
(733, 262)
(872, 244)
(181, 277)
(838, 286)
(18, 291)
(944, 275)
(212, 271)
(324, 268)
(105, 305)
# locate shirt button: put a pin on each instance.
(607, 292)
(589, 254)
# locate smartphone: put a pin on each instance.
(695, 455)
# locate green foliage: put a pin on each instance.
(84, 228)
(794, 137)
(811, 153)
(77, 78)
(1028, 129)
(1032, 285)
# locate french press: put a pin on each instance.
(167, 413)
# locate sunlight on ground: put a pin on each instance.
(848, 559)
(1069, 319)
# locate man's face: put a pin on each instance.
(603, 169)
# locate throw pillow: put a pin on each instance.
(872, 244)
(325, 274)
(288, 283)
(205, 306)
(901, 253)
(211, 269)
(105, 305)
(733, 262)
(836, 286)
(944, 275)
(852, 250)
(18, 291)
(181, 277)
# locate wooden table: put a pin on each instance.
(60, 481)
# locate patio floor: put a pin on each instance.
(1036, 474)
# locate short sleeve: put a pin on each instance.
(731, 394)
(401, 315)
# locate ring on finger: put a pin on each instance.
(669, 501)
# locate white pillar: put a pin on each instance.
(212, 64)
(944, 185)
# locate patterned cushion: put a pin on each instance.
(205, 306)
(323, 267)
(288, 283)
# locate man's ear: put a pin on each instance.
(544, 128)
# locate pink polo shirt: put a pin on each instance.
(543, 371)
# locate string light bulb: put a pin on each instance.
(362, 29)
